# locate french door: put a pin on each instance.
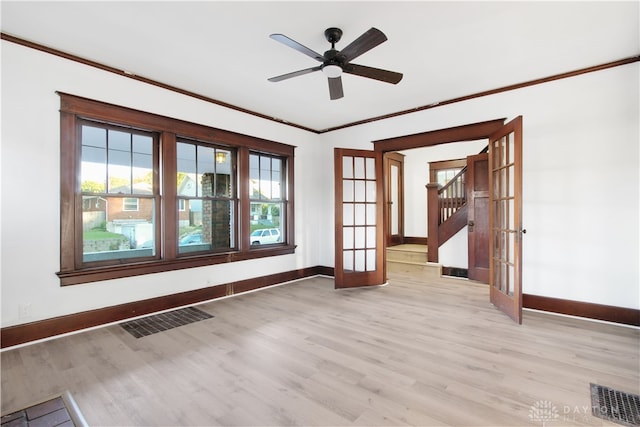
(505, 219)
(359, 231)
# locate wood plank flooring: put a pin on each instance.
(409, 353)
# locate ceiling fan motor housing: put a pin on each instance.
(334, 57)
(333, 35)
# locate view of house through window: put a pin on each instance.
(118, 196)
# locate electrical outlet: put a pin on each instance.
(24, 310)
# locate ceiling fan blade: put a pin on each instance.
(364, 43)
(373, 73)
(295, 74)
(297, 46)
(335, 88)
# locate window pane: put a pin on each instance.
(94, 136)
(93, 170)
(347, 167)
(360, 191)
(119, 168)
(265, 177)
(111, 232)
(275, 185)
(371, 168)
(347, 214)
(371, 237)
(119, 141)
(224, 182)
(359, 261)
(267, 223)
(358, 172)
(206, 225)
(186, 179)
(359, 235)
(347, 191)
(204, 167)
(142, 164)
(371, 214)
(360, 215)
(206, 160)
(119, 162)
(347, 238)
(347, 260)
(254, 176)
(94, 159)
(130, 204)
(371, 260)
(371, 191)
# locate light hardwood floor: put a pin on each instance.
(409, 353)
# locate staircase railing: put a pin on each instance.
(450, 214)
(447, 211)
(452, 196)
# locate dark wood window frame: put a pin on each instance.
(434, 167)
(72, 271)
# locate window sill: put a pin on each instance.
(96, 274)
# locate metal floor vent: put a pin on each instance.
(616, 406)
(164, 321)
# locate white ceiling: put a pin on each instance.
(222, 50)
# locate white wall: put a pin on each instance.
(581, 183)
(580, 178)
(30, 153)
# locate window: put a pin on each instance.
(142, 193)
(450, 177)
(116, 163)
(206, 180)
(268, 207)
(130, 204)
(442, 172)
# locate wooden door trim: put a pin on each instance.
(387, 159)
(470, 132)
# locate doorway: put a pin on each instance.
(504, 198)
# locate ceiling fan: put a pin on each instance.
(335, 62)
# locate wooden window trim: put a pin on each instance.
(72, 271)
(444, 164)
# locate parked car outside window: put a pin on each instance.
(191, 239)
(265, 236)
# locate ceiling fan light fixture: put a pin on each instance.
(332, 71)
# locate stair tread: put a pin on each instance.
(425, 263)
(408, 248)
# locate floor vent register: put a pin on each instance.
(616, 406)
(164, 321)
